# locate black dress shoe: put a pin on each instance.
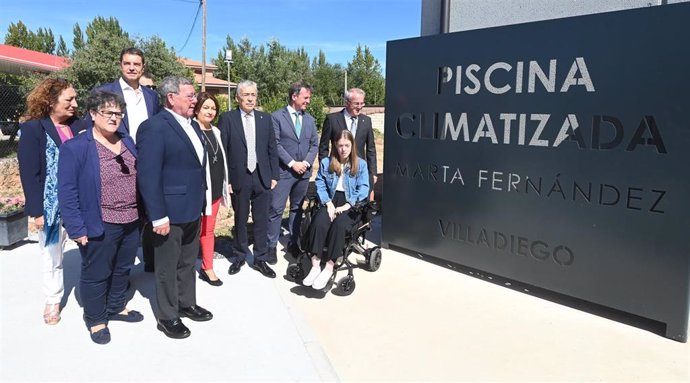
(174, 328)
(264, 269)
(272, 256)
(196, 313)
(204, 277)
(235, 267)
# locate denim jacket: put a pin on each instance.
(356, 187)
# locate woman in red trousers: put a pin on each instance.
(205, 112)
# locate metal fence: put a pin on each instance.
(12, 104)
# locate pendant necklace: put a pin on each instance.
(215, 150)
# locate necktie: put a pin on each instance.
(298, 124)
(353, 126)
(250, 135)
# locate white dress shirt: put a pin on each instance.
(136, 107)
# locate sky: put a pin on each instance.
(334, 26)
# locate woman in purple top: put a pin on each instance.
(98, 196)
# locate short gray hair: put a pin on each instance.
(246, 84)
(348, 94)
(172, 84)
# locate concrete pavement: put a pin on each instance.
(253, 335)
(409, 321)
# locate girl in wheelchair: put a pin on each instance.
(341, 183)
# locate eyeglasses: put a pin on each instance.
(188, 96)
(109, 114)
(150, 86)
(356, 103)
(123, 166)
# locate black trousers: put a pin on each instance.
(257, 197)
(147, 242)
(174, 256)
(322, 232)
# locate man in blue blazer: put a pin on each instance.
(298, 144)
(250, 145)
(142, 103)
(171, 177)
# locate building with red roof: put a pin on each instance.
(15, 60)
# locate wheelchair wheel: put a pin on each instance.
(295, 273)
(346, 285)
(374, 259)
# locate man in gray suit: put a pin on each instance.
(297, 143)
(350, 118)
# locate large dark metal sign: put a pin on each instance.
(554, 153)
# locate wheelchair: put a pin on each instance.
(355, 242)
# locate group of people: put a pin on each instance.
(151, 168)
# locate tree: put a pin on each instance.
(78, 38)
(364, 71)
(328, 79)
(102, 26)
(96, 62)
(18, 35)
(162, 61)
(62, 50)
(45, 41)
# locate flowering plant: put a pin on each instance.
(11, 204)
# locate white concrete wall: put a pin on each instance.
(475, 14)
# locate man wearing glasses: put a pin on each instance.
(171, 177)
(359, 125)
(141, 103)
(249, 141)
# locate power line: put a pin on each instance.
(192, 28)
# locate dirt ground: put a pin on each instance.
(9, 178)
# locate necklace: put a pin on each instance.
(210, 142)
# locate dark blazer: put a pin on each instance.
(79, 185)
(291, 147)
(150, 98)
(235, 144)
(32, 158)
(364, 138)
(171, 179)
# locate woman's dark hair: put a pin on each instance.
(201, 99)
(100, 98)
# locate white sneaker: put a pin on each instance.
(313, 273)
(323, 278)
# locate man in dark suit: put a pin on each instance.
(142, 103)
(351, 119)
(250, 146)
(297, 142)
(172, 181)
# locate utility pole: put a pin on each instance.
(203, 46)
